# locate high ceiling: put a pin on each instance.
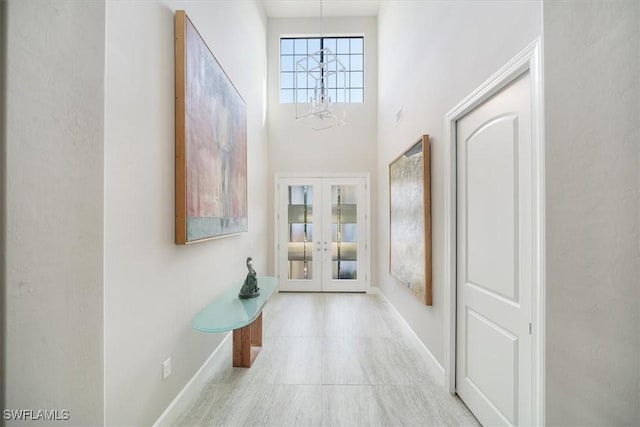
(311, 8)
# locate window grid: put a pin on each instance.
(348, 50)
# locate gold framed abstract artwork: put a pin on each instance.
(410, 219)
(210, 143)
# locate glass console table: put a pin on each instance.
(242, 316)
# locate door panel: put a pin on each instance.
(483, 368)
(299, 235)
(492, 183)
(344, 208)
(493, 356)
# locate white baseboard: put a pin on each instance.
(374, 291)
(434, 366)
(217, 363)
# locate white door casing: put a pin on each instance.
(497, 298)
(493, 352)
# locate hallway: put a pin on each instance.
(330, 359)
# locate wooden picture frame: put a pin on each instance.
(210, 143)
(410, 219)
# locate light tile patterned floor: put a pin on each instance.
(330, 360)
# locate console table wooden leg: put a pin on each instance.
(247, 343)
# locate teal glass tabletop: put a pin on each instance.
(228, 312)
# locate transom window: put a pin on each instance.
(295, 85)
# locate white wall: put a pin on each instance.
(3, 178)
(592, 92)
(54, 208)
(296, 148)
(431, 55)
(153, 288)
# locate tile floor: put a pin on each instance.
(330, 360)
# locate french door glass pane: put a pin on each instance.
(300, 222)
(344, 221)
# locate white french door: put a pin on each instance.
(322, 234)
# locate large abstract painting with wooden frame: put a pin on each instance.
(211, 143)
(410, 217)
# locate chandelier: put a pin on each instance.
(328, 76)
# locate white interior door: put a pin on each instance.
(494, 259)
(322, 234)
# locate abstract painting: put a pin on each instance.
(410, 217)
(211, 143)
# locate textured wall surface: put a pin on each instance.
(3, 179)
(54, 201)
(153, 288)
(592, 117)
(432, 55)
